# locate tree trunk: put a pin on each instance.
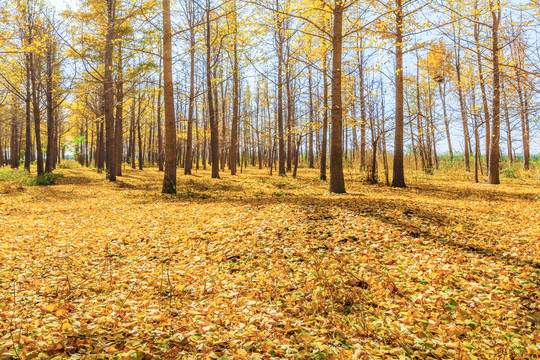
(234, 126)
(36, 113)
(442, 94)
(109, 93)
(169, 178)
(363, 118)
(398, 179)
(118, 126)
(14, 147)
(311, 159)
(281, 155)
(493, 177)
(324, 142)
(462, 108)
(188, 161)
(214, 130)
(49, 163)
(337, 181)
(483, 90)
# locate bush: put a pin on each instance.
(508, 173)
(42, 180)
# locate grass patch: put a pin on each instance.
(20, 178)
(68, 164)
(43, 180)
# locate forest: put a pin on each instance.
(256, 179)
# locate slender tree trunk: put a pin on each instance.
(234, 126)
(160, 135)
(508, 126)
(337, 180)
(13, 146)
(281, 155)
(188, 161)
(49, 164)
(289, 109)
(169, 178)
(118, 126)
(462, 108)
(36, 113)
(101, 163)
(483, 90)
(493, 177)
(109, 93)
(398, 179)
(523, 113)
(311, 159)
(363, 118)
(214, 130)
(446, 119)
(139, 138)
(324, 142)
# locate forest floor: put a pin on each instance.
(259, 267)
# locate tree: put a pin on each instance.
(169, 178)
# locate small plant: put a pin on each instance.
(43, 180)
(508, 173)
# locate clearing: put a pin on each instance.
(264, 267)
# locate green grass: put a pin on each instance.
(23, 177)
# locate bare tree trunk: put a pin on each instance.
(524, 116)
(462, 107)
(119, 126)
(139, 138)
(234, 126)
(324, 144)
(36, 113)
(188, 161)
(109, 93)
(363, 118)
(508, 126)
(214, 131)
(442, 94)
(483, 90)
(160, 135)
(169, 178)
(337, 180)
(14, 148)
(279, 36)
(51, 144)
(289, 109)
(398, 179)
(493, 176)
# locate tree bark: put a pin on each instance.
(36, 113)
(214, 130)
(169, 178)
(493, 177)
(234, 126)
(398, 179)
(337, 180)
(109, 93)
(324, 141)
(118, 126)
(188, 160)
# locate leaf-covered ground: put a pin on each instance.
(260, 267)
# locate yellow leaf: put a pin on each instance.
(459, 228)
